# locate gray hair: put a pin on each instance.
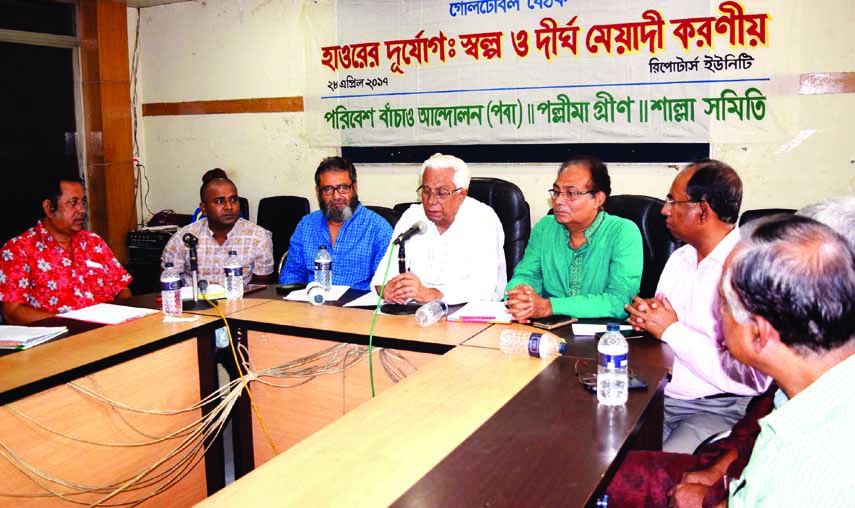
(837, 213)
(798, 275)
(440, 161)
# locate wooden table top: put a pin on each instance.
(644, 351)
(476, 427)
(356, 322)
(64, 358)
(373, 454)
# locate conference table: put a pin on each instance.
(468, 425)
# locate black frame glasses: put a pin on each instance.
(342, 189)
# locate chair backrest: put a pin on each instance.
(390, 214)
(280, 215)
(508, 201)
(646, 213)
(244, 208)
(400, 208)
(750, 215)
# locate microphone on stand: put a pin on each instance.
(416, 229)
(190, 241)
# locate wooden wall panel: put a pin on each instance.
(173, 369)
(107, 120)
(217, 107)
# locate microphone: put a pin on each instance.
(416, 229)
(190, 240)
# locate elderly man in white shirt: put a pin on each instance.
(459, 258)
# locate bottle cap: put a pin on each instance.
(232, 253)
(168, 264)
(612, 327)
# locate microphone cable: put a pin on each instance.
(243, 378)
(374, 320)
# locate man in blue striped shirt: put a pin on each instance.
(355, 236)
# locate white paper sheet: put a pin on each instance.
(301, 296)
(108, 313)
(369, 299)
(23, 337)
(482, 312)
(215, 292)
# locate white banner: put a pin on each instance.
(409, 72)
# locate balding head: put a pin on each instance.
(798, 275)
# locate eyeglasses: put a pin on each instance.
(669, 202)
(342, 189)
(570, 195)
(441, 193)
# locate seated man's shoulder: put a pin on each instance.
(479, 209)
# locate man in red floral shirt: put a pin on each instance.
(56, 266)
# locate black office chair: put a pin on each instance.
(390, 214)
(750, 215)
(280, 215)
(400, 208)
(244, 208)
(508, 201)
(646, 213)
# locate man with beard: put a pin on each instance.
(220, 232)
(57, 266)
(355, 236)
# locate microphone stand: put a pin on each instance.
(402, 258)
(195, 303)
(398, 309)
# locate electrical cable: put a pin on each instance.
(243, 378)
(374, 321)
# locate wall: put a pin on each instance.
(227, 49)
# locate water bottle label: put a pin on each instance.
(323, 265)
(613, 361)
(170, 285)
(534, 345)
(237, 272)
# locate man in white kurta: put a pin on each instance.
(460, 257)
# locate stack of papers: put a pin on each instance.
(108, 313)
(23, 337)
(482, 312)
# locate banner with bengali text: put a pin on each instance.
(411, 72)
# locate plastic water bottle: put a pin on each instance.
(612, 377)
(170, 290)
(234, 277)
(431, 312)
(323, 268)
(536, 344)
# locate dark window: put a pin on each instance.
(41, 16)
(37, 127)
